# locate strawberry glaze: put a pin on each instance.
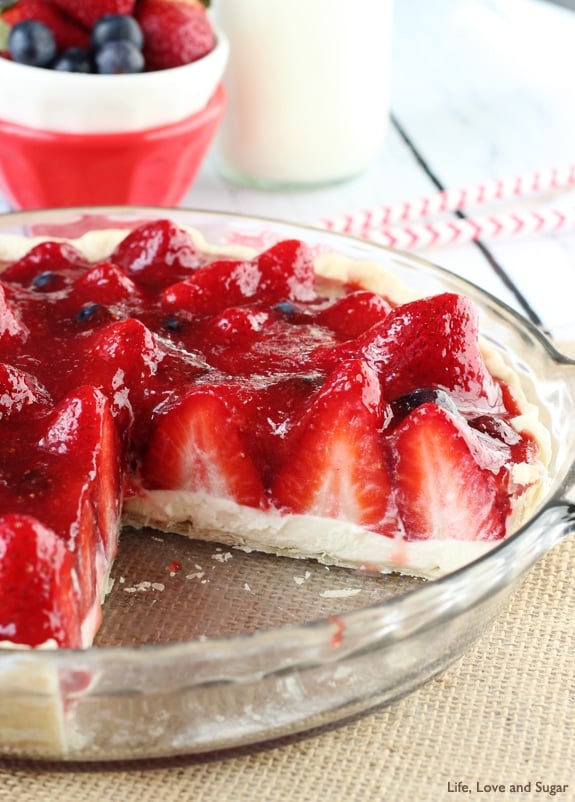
(274, 376)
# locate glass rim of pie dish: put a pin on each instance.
(389, 628)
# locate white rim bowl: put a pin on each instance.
(77, 103)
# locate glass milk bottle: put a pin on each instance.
(308, 89)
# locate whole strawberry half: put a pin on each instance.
(430, 342)
(157, 253)
(197, 445)
(66, 31)
(176, 32)
(337, 468)
(282, 273)
(86, 12)
(449, 483)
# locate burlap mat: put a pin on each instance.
(504, 716)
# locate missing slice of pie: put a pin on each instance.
(284, 400)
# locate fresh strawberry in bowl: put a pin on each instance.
(86, 83)
(67, 32)
(176, 32)
(88, 12)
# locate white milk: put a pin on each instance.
(308, 89)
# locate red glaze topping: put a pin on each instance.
(250, 379)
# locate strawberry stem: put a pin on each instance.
(4, 35)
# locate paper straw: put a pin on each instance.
(457, 231)
(451, 200)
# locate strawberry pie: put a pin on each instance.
(287, 400)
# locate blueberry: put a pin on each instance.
(31, 42)
(74, 59)
(44, 280)
(286, 308)
(294, 312)
(88, 312)
(114, 27)
(172, 323)
(405, 404)
(496, 428)
(116, 58)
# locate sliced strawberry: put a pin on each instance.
(19, 390)
(66, 32)
(176, 32)
(352, 314)
(38, 602)
(440, 489)
(158, 253)
(12, 330)
(431, 342)
(196, 445)
(337, 467)
(272, 411)
(283, 272)
(86, 12)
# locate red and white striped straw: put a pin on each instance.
(457, 231)
(452, 200)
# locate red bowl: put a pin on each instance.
(155, 167)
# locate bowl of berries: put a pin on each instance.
(107, 101)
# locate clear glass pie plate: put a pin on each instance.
(205, 648)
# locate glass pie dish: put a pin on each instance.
(204, 648)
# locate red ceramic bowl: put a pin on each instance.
(156, 166)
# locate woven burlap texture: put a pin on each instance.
(504, 715)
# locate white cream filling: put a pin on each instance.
(329, 541)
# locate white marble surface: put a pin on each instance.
(483, 89)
